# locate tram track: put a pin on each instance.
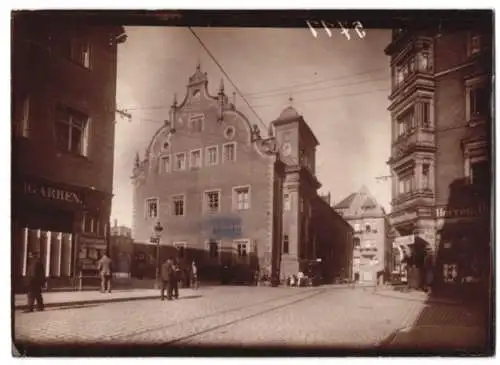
(201, 325)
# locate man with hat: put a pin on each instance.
(35, 281)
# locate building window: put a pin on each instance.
(196, 123)
(212, 155)
(213, 249)
(212, 201)
(425, 58)
(242, 248)
(480, 173)
(180, 161)
(357, 227)
(165, 164)
(479, 102)
(21, 110)
(357, 242)
(368, 228)
(287, 203)
(426, 176)
(286, 244)
(426, 115)
(229, 152)
(195, 159)
(180, 247)
(406, 122)
(406, 183)
(71, 131)
(77, 50)
(178, 205)
(152, 208)
(241, 198)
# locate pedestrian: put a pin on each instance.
(104, 268)
(35, 282)
(194, 276)
(177, 275)
(300, 278)
(167, 277)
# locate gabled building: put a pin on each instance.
(230, 198)
(372, 251)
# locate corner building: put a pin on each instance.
(372, 251)
(441, 153)
(228, 197)
(63, 113)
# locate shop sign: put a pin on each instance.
(51, 193)
(96, 242)
(465, 212)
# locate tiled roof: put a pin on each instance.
(346, 203)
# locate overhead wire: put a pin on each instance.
(272, 92)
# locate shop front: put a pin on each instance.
(50, 218)
(464, 258)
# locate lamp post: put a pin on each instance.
(156, 239)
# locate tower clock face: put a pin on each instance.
(286, 148)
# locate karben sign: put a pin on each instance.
(51, 193)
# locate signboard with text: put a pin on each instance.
(51, 192)
(463, 212)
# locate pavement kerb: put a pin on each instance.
(75, 303)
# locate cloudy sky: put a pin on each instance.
(340, 86)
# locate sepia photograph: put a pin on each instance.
(192, 183)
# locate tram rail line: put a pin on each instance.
(301, 296)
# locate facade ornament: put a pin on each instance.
(137, 160)
(255, 134)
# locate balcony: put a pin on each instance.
(421, 139)
(416, 197)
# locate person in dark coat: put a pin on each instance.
(177, 275)
(104, 268)
(35, 282)
(167, 278)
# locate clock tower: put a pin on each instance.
(297, 149)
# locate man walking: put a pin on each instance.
(104, 268)
(35, 281)
(167, 277)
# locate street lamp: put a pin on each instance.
(156, 239)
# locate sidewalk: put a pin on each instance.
(75, 298)
(439, 338)
(414, 295)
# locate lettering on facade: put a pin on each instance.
(447, 212)
(51, 193)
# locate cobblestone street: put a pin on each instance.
(238, 316)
